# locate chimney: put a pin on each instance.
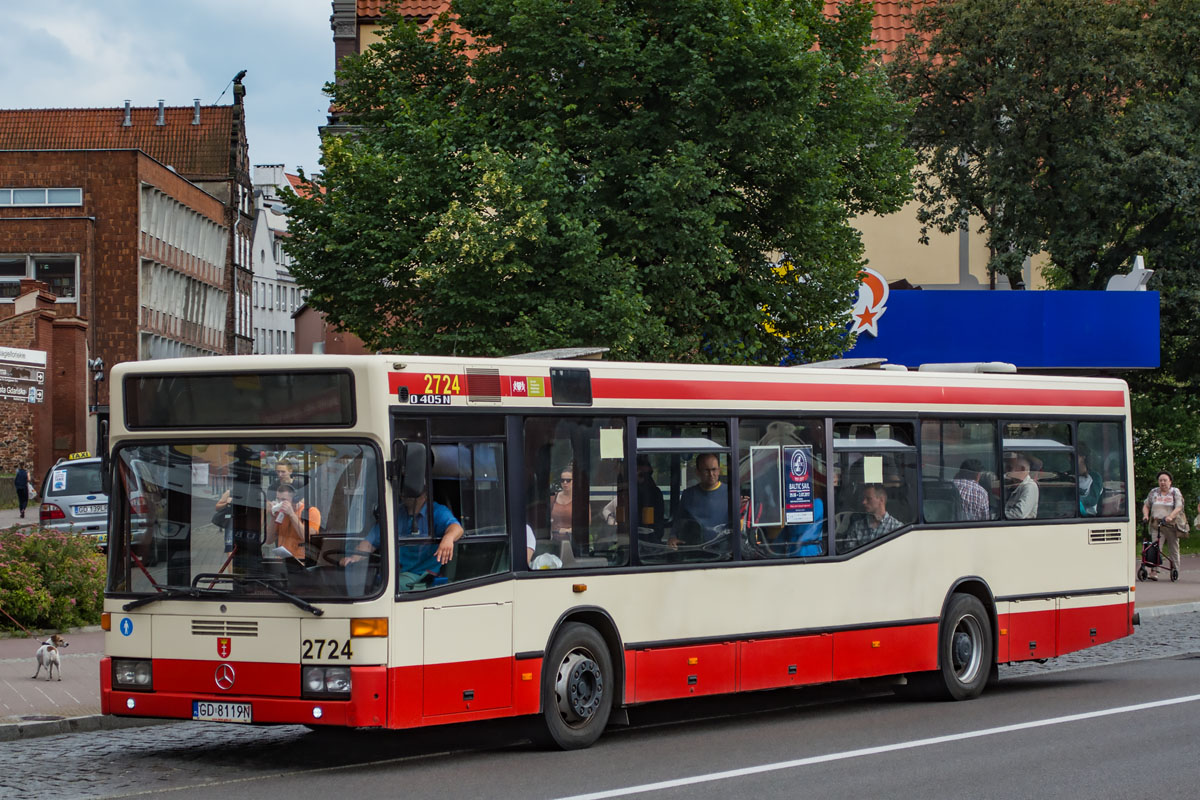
(162, 116)
(196, 112)
(128, 117)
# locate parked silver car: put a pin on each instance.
(73, 498)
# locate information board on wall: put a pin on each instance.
(22, 374)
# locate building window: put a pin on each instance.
(60, 272)
(41, 197)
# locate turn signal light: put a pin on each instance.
(369, 626)
(105, 621)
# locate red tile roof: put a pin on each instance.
(197, 152)
(891, 24)
(301, 187)
(374, 9)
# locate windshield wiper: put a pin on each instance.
(242, 581)
(194, 592)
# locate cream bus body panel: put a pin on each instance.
(905, 579)
(190, 631)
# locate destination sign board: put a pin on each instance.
(22, 374)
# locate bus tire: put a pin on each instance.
(965, 648)
(577, 689)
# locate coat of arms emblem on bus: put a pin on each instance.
(223, 646)
(870, 304)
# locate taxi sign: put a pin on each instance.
(80, 454)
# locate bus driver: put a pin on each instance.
(416, 561)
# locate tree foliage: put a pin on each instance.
(605, 173)
(1068, 126)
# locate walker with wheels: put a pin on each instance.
(1153, 555)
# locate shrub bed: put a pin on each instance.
(49, 579)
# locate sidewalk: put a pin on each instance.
(30, 708)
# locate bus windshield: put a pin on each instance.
(244, 518)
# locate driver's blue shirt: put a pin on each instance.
(417, 553)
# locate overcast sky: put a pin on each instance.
(100, 53)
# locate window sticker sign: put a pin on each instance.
(58, 480)
(798, 484)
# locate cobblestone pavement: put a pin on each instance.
(113, 763)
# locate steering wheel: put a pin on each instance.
(334, 555)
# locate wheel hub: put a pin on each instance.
(579, 687)
(966, 649)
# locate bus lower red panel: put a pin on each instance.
(467, 686)
(1033, 634)
(790, 661)
(1079, 628)
(170, 699)
(686, 672)
(884, 651)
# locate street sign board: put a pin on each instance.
(22, 374)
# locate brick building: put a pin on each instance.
(138, 223)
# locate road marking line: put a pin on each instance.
(870, 751)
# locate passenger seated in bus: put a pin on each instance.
(562, 506)
(287, 521)
(1091, 485)
(807, 539)
(972, 497)
(874, 522)
(1022, 502)
(416, 561)
(702, 507)
(650, 503)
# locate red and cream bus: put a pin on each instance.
(395, 541)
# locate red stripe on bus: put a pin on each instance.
(658, 389)
(784, 392)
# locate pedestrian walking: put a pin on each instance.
(1164, 504)
(21, 482)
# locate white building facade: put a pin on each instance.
(276, 295)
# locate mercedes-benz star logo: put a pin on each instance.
(224, 677)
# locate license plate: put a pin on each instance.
(97, 509)
(221, 712)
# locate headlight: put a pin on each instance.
(325, 681)
(133, 674)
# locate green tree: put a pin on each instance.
(1067, 126)
(603, 173)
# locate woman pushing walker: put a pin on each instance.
(1164, 505)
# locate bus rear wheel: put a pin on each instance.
(965, 656)
(577, 688)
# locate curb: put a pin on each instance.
(39, 633)
(1151, 612)
(14, 732)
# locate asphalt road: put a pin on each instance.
(1127, 729)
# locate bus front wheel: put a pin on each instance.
(577, 688)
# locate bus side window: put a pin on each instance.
(958, 470)
(877, 486)
(1103, 449)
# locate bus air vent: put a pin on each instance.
(483, 385)
(223, 627)
(1104, 536)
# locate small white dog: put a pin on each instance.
(47, 656)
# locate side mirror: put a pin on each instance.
(407, 467)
